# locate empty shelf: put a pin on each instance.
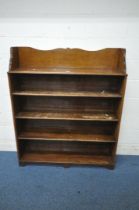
(67, 116)
(66, 93)
(41, 135)
(69, 71)
(59, 158)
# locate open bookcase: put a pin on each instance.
(67, 104)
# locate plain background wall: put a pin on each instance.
(86, 32)
(64, 8)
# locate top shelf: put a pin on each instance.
(25, 60)
(66, 71)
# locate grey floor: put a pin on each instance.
(75, 188)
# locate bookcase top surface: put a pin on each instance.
(109, 61)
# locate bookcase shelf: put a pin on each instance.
(54, 158)
(67, 104)
(66, 152)
(68, 94)
(68, 71)
(67, 116)
(36, 135)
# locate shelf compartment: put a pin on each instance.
(66, 108)
(52, 158)
(63, 85)
(66, 130)
(65, 151)
(68, 61)
(95, 148)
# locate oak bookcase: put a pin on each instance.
(67, 104)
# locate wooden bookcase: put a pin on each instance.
(67, 104)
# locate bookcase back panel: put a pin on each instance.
(68, 147)
(67, 83)
(29, 57)
(68, 105)
(68, 127)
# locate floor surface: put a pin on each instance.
(74, 188)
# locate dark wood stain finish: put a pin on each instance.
(67, 104)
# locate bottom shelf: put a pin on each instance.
(59, 158)
(66, 152)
